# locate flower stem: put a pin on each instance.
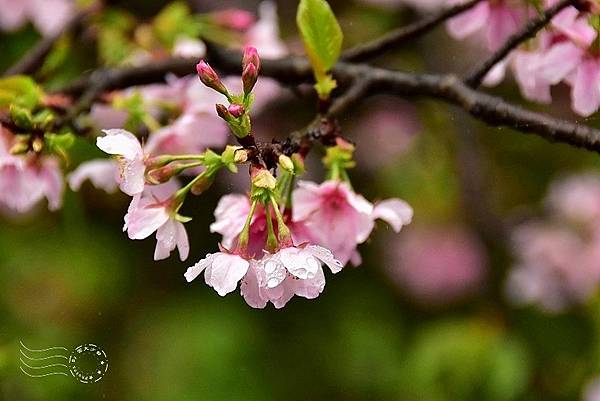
(284, 234)
(271, 239)
(245, 234)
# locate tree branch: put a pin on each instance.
(34, 58)
(403, 34)
(295, 70)
(529, 31)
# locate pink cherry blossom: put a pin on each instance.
(291, 271)
(222, 271)
(585, 87)
(131, 158)
(264, 35)
(497, 19)
(188, 47)
(102, 173)
(151, 211)
(230, 216)
(26, 179)
(558, 258)
(339, 219)
(48, 16)
(437, 265)
(556, 267)
(234, 18)
(104, 116)
(576, 198)
(531, 81)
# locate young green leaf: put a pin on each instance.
(322, 37)
(21, 91)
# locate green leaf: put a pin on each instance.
(59, 143)
(174, 21)
(21, 91)
(321, 34)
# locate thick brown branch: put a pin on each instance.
(294, 70)
(529, 31)
(404, 34)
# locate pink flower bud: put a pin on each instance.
(236, 110)
(202, 184)
(161, 175)
(209, 77)
(234, 18)
(223, 112)
(249, 78)
(250, 57)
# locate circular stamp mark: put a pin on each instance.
(88, 363)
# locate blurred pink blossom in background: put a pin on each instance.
(437, 265)
(48, 16)
(558, 259)
(392, 126)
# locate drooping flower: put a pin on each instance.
(290, 271)
(339, 219)
(153, 210)
(222, 271)
(275, 278)
(26, 179)
(131, 158)
(102, 173)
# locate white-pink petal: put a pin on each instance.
(103, 174)
(194, 271)
(585, 92)
(325, 256)
(120, 142)
(143, 221)
(225, 271)
(395, 212)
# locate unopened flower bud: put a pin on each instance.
(19, 147)
(209, 77)
(37, 145)
(262, 178)
(249, 78)
(250, 57)
(240, 156)
(223, 112)
(236, 110)
(203, 183)
(286, 163)
(160, 175)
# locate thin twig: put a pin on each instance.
(529, 31)
(34, 58)
(404, 34)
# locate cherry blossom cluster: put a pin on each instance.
(277, 237)
(565, 51)
(558, 258)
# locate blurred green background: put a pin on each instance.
(73, 277)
